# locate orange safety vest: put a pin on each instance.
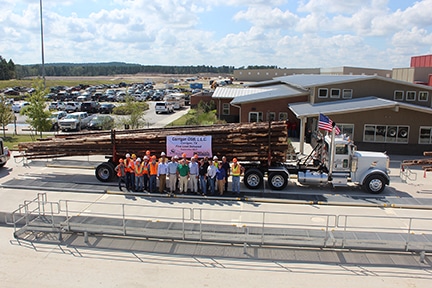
(131, 166)
(146, 168)
(236, 171)
(126, 163)
(153, 168)
(139, 170)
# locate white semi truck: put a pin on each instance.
(334, 160)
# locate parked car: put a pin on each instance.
(73, 107)
(90, 107)
(61, 106)
(55, 117)
(17, 107)
(106, 108)
(164, 107)
(84, 97)
(52, 106)
(74, 121)
(101, 122)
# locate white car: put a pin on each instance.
(164, 107)
(73, 107)
(55, 118)
(17, 106)
(74, 121)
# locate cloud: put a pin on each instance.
(314, 33)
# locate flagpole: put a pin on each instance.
(332, 152)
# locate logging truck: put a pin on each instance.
(334, 160)
(261, 148)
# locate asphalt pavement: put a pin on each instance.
(108, 261)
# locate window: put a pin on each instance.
(225, 109)
(347, 129)
(347, 93)
(283, 116)
(272, 116)
(335, 93)
(425, 136)
(423, 96)
(241, 73)
(255, 117)
(249, 73)
(275, 73)
(386, 133)
(258, 73)
(411, 96)
(398, 95)
(267, 73)
(322, 93)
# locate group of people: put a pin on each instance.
(202, 175)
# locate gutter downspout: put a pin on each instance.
(302, 134)
(239, 107)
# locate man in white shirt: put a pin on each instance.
(172, 174)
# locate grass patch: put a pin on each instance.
(59, 82)
(11, 141)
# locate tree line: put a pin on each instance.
(7, 69)
(114, 68)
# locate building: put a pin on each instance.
(378, 113)
(420, 71)
(255, 75)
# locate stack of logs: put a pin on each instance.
(427, 163)
(247, 142)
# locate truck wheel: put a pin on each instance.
(105, 172)
(374, 184)
(277, 180)
(253, 178)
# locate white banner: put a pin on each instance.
(189, 144)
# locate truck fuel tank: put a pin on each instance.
(312, 177)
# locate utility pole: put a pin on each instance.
(42, 44)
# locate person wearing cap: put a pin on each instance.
(121, 173)
(153, 170)
(162, 172)
(172, 173)
(146, 169)
(226, 166)
(236, 171)
(183, 175)
(129, 179)
(215, 161)
(139, 175)
(132, 170)
(211, 176)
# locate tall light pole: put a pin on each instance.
(42, 44)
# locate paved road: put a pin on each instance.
(115, 262)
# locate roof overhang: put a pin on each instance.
(302, 110)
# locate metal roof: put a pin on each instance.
(268, 93)
(353, 105)
(229, 92)
(305, 81)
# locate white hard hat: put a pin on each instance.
(146, 157)
(127, 155)
(139, 160)
(163, 154)
(215, 157)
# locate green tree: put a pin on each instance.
(6, 114)
(135, 110)
(36, 111)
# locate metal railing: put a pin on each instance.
(405, 173)
(229, 225)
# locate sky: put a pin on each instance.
(380, 34)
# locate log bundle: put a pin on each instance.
(425, 163)
(247, 142)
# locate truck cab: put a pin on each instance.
(4, 154)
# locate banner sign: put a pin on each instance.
(189, 144)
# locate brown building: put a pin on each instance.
(378, 113)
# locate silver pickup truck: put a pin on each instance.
(74, 121)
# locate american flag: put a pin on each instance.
(325, 123)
